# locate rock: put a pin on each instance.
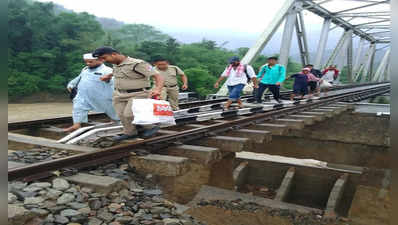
(32, 189)
(17, 185)
(65, 198)
(77, 205)
(95, 221)
(18, 214)
(48, 204)
(50, 218)
(94, 203)
(137, 190)
(84, 211)
(87, 190)
(40, 212)
(41, 185)
(71, 190)
(169, 221)
(73, 224)
(114, 207)
(61, 219)
(124, 193)
(53, 194)
(124, 219)
(57, 209)
(79, 219)
(11, 198)
(60, 184)
(22, 195)
(158, 210)
(69, 212)
(105, 215)
(153, 192)
(186, 222)
(115, 223)
(33, 200)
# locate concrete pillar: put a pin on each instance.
(322, 43)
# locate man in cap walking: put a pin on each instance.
(131, 81)
(92, 93)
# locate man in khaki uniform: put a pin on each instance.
(170, 73)
(131, 81)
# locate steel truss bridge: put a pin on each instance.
(368, 20)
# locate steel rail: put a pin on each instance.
(156, 143)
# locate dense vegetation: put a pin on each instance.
(46, 45)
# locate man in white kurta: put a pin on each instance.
(92, 93)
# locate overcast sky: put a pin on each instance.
(239, 22)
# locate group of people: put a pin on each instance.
(112, 91)
(271, 76)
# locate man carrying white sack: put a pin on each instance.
(92, 93)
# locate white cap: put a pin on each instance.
(89, 56)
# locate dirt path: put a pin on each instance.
(23, 112)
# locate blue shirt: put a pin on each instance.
(272, 75)
(300, 80)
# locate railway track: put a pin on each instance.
(188, 105)
(200, 122)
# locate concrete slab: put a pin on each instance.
(318, 116)
(12, 164)
(337, 110)
(20, 142)
(161, 165)
(213, 193)
(291, 123)
(328, 112)
(275, 129)
(101, 184)
(225, 143)
(256, 136)
(198, 154)
(308, 120)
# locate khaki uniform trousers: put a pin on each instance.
(122, 102)
(172, 93)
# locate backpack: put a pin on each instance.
(247, 75)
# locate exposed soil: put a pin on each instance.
(238, 213)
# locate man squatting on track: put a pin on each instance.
(132, 81)
(238, 75)
(92, 93)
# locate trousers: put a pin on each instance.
(172, 94)
(122, 102)
(272, 87)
